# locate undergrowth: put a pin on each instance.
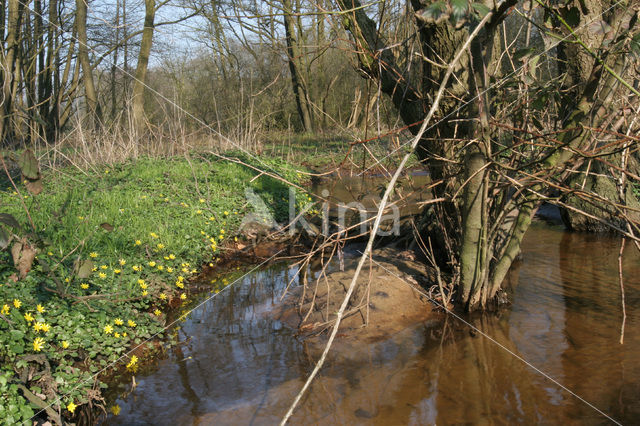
(114, 249)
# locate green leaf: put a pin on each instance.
(635, 44)
(9, 220)
(523, 53)
(85, 270)
(571, 16)
(4, 239)
(433, 12)
(481, 9)
(459, 9)
(29, 165)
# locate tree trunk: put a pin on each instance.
(141, 68)
(93, 107)
(295, 55)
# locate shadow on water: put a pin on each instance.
(237, 365)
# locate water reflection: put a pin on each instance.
(238, 366)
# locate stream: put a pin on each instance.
(238, 365)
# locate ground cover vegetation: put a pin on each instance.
(110, 252)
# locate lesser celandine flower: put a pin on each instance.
(65, 344)
(145, 292)
(84, 286)
(122, 262)
(131, 323)
(133, 363)
(118, 321)
(183, 296)
(38, 344)
(17, 303)
(157, 312)
(108, 329)
(28, 317)
(138, 242)
(71, 406)
(102, 275)
(5, 309)
(152, 263)
(115, 409)
(40, 308)
(162, 296)
(93, 254)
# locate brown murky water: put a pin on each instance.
(238, 366)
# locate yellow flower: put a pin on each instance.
(133, 363)
(38, 344)
(93, 254)
(172, 256)
(65, 344)
(17, 303)
(152, 263)
(108, 329)
(122, 262)
(135, 268)
(28, 317)
(160, 246)
(116, 271)
(84, 286)
(116, 335)
(104, 267)
(115, 409)
(118, 321)
(153, 235)
(71, 406)
(183, 296)
(179, 284)
(145, 292)
(162, 296)
(198, 211)
(49, 253)
(102, 275)
(226, 213)
(45, 327)
(81, 217)
(169, 269)
(138, 242)
(157, 312)
(160, 267)
(124, 334)
(202, 200)
(40, 308)
(140, 282)
(131, 323)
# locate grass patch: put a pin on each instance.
(114, 250)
